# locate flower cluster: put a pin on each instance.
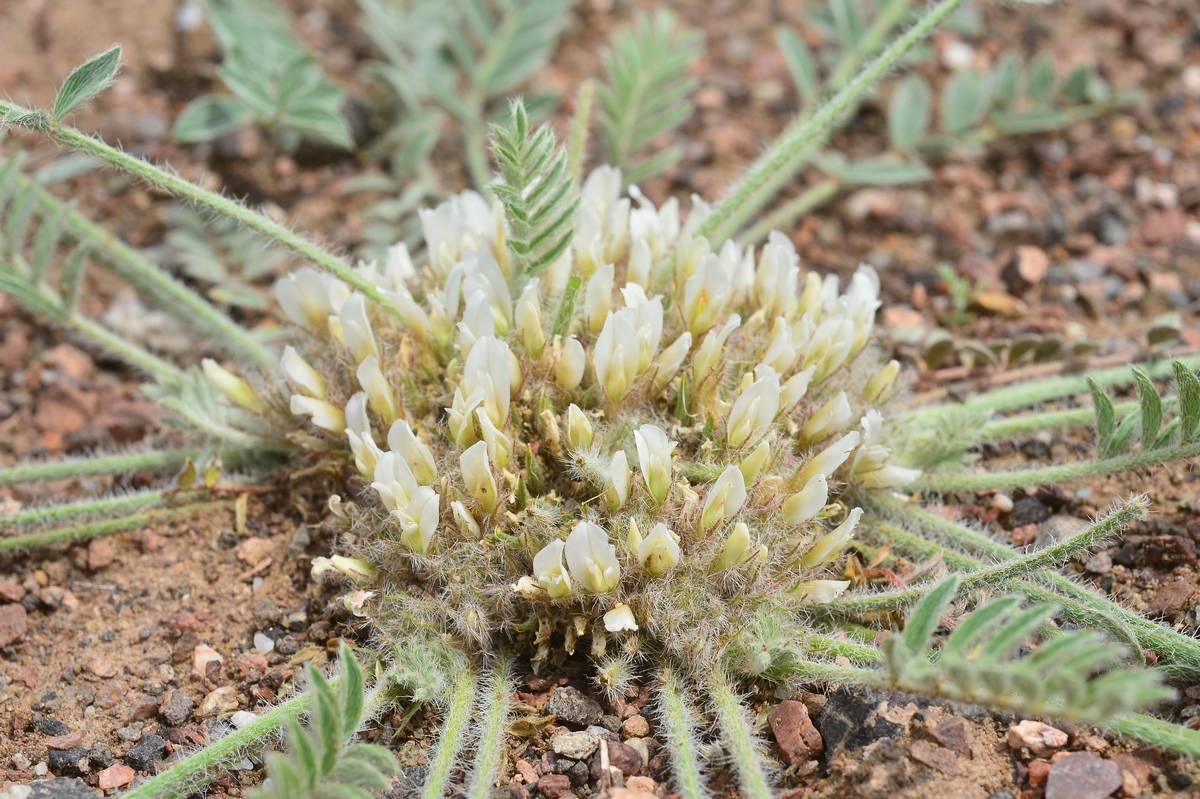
(652, 437)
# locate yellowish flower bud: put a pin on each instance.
(725, 498)
(828, 419)
(616, 487)
(379, 392)
(568, 373)
(807, 503)
(820, 591)
(477, 475)
(579, 429)
(753, 463)
(235, 389)
(881, 384)
(830, 546)
(324, 415)
(301, 374)
(736, 549)
(654, 457)
(659, 551)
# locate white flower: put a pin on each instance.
(781, 352)
(654, 457)
(356, 328)
(592, 559)
(709, 357)
(571, 362)
(418, 456)
(777, 276)
(324, 415)
(831, 544)
(549, 571)
(658, 552)
(235, 389)
(356, 414)
(309, 297)
(616, 482)
(820, 591)
(398, 266)
(754, 410)
(300, 373)
(394, 482)
(795, 388)
(579, 429)
(464, 222)
(826, 420)
(808, 501)
(752, 464)
(620, 619)
(829, 346)
(357, 570)
(460, 416)
(477, 475)
(415, 318)
(889, 476)
(616, 355)
(356, 603)
(477, 321)
(528, 319)
(704, 295)
(598, 300)
(828, 460)
(379, 392)
(881, 384)
(419, 520)
(724, 500)
(467, 525)
(365, 451)
(647, 322)
(487, 370)
(735, 550)
(638, 269)
(669, 360)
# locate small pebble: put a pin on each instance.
(1002, 503)
(242, 719)
(574, 745)
(1039, 738)
(263, 644)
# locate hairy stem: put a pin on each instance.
(579, 128)
(167, 292)
(173, 184)
(888, 17)
(1023, 425)
(489, 753)
(1157, 732)
(832, 647)
(452, 737)
(679, 724)
(748, 195)
(1003, 572)
(738, 738)
(83, 532)
(1079, 604)
(1031, 392)
(1059, 473)
(161, 461)
(783, 216)
(91, 507)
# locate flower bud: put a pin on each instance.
(379, 393)
(616, 482)
(736, 549)
(830, 546)
(569, 371)
(658, 553)
(633, 539)
(724, 500)
(826, 420)
(467, 526)
(807, 503)
(301, 374)
(828, 460)
(325, 416)
(820, 591)
(418, 456)
(598, 299)
(881, 384)
(654, 457)
(591, 559)
(549, 570)
(616, 355)
(366, 453)
(419, 521)
(647, 319)
(499, 445)
(638, 269)
(780, 354)
(487, 369)
(477, 475)
(752, 464)
(477, 321)
(529, 319)
(356, 328)
(669, 360)
(235, 389)
(754, 411)
(620, 619)
(357, 570)
(579, 429)
(794, 389)
(889, 476)
(709, 357)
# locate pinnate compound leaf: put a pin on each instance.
(963, 101)
(209, 117)
(800, 63)
(86, 81)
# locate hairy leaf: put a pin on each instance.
(86, 81)
(1151, 405)
(1105, 418)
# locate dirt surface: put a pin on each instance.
(110, 637)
